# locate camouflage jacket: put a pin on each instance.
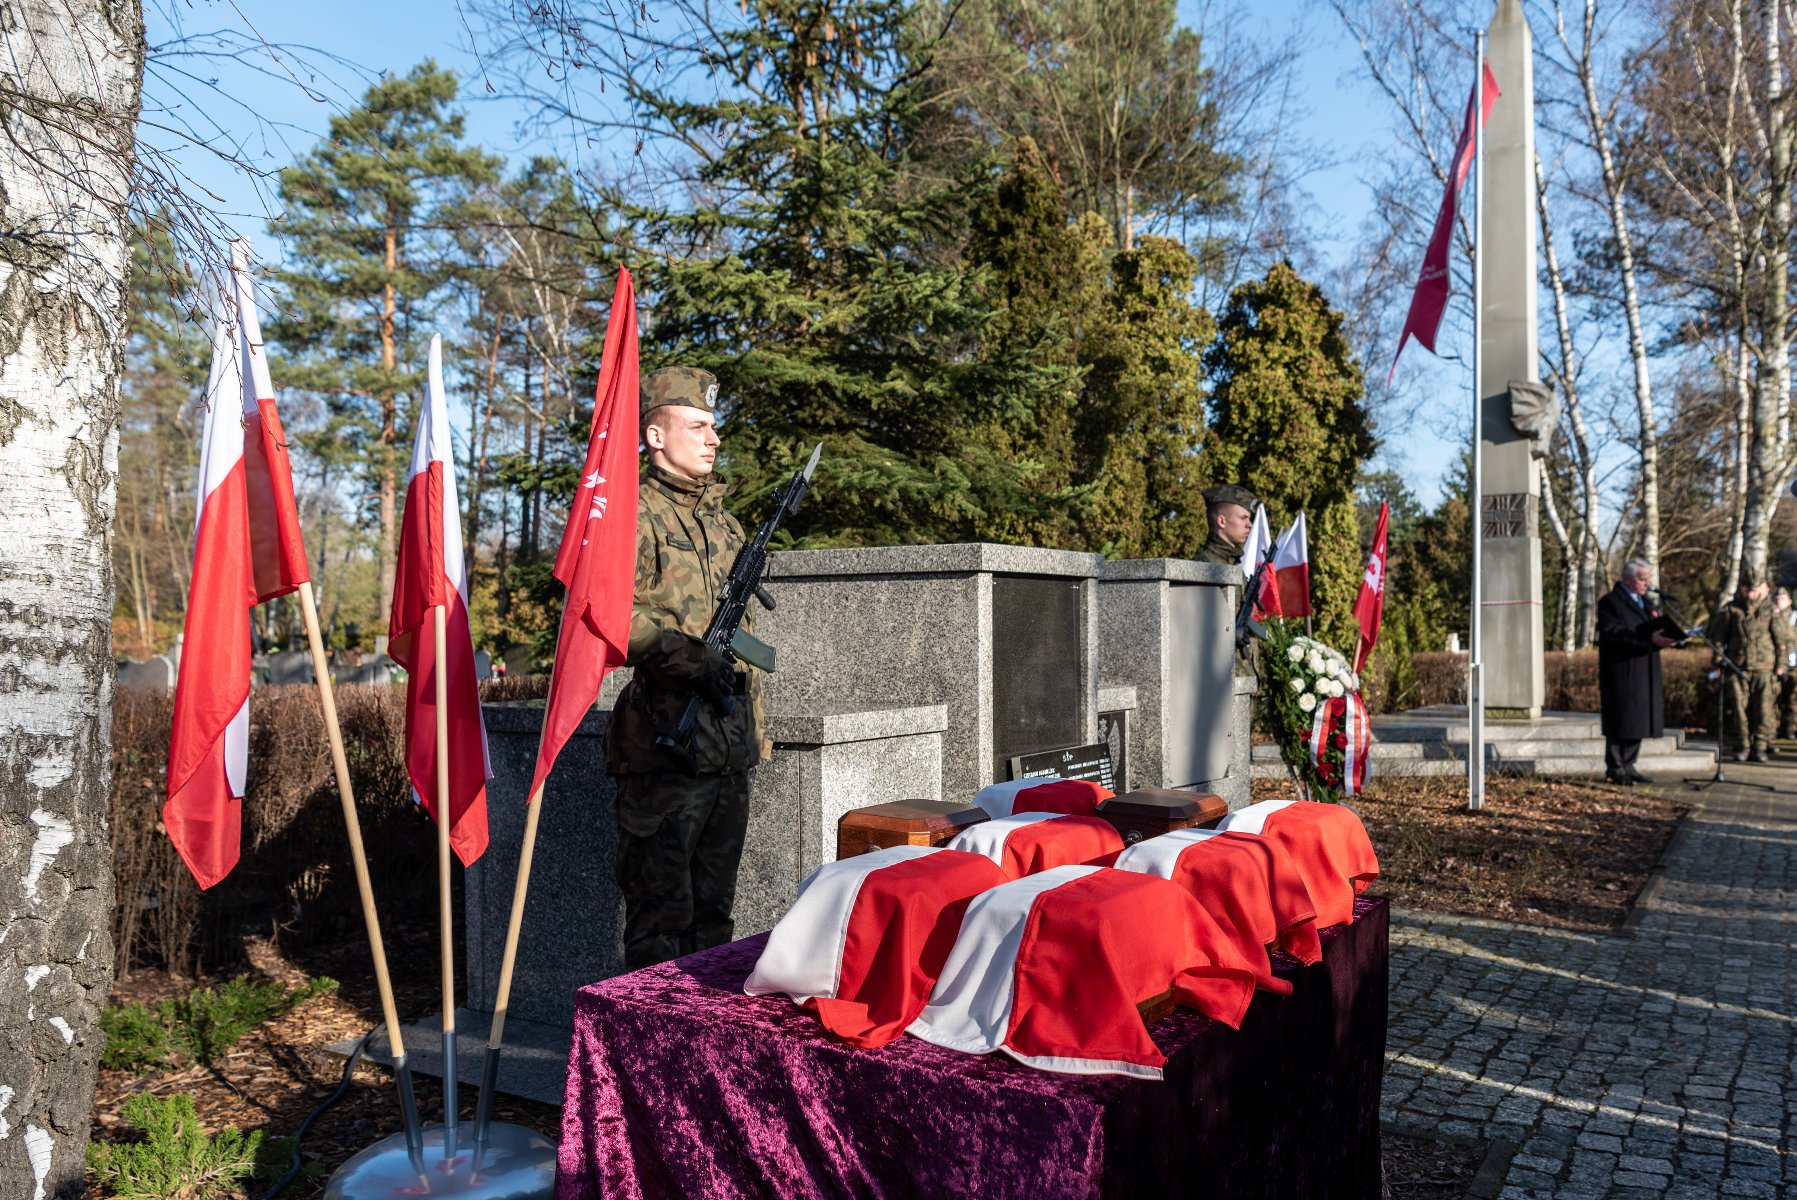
(1216, 550)
(1751, 634)
(685, 546)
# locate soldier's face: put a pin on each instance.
(1234, 522)
(684, 442)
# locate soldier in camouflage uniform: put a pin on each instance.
(680, 836)
(1228, 516)
(1787, 687)
(1748, 632)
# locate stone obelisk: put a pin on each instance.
(1515, 684)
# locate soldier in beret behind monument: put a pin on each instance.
(680, 835)
(1228, 518)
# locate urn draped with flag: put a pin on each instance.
(247, 549)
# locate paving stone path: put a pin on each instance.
(1657, 1061)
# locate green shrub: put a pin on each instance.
(200, 1027)
(175, 1160)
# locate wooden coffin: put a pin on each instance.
(904, 823)
(1147, 812)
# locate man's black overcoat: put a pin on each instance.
(1628, 668)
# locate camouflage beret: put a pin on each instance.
(1229, 493)
(680, 385)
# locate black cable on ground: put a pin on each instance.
(349, 1070)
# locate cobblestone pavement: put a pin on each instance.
(1654, 1062)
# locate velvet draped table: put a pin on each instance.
(680, 1086)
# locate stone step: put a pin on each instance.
(1384, 751)
(1668, 766)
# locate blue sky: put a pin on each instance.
(1339, 113)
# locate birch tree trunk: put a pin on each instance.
(1569, 564)
(1597, 126)
(69, 88)
(1585, 630)
(1767, 470)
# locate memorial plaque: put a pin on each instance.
(1069, 762)
(1038, 684)
(1511, 515)
(1113, 731)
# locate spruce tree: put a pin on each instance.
(1287, 422)
(822, 283)
(365, 222)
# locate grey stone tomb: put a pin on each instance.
(1510, 503)
(1004, 637)
(1166, 629)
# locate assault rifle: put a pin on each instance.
(1246, 627)
(725, 633)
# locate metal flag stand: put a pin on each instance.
(1475, 684)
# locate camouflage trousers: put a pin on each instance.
(1752, 710)
(680, 839)
(1787, 704)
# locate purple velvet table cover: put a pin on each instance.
(681, 1086)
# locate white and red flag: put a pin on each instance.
(1369, 604)
(1430, 299)
(247, 549)
(1260, 541)
(866, 938)
(1050, 968)
(597, 559)
(1027, 843)
(1286, 589)
(433, 573)
(1325, 843)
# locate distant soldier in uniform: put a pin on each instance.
(1229, 516)
(1787, 687)
(1748, 632)
(680, 836)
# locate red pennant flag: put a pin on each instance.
(432, 572)
(597, 559)
(247, 549)
(1285, 590)
(1430, 300)
(1369, 605)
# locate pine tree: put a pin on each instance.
(1287, 422)
(823, 286)
(365, 222)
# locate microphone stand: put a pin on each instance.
(1725, 667)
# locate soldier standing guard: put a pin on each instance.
(680, 836)
(1787, 687)
(1229, 517)
(1748, 631)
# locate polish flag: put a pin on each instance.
(866, 939)
(1244, 883)
(247, 549)
(1260, 540)
(1369, 604)
(597, 559)
(1328, 846)
(1050, 969)
(431, 573)
(1043, 794)
(1286, 590)
(1030, 842)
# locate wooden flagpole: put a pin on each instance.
(445, 912)
(489, 1070)
(321, 671)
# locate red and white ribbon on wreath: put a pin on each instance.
(1344, 717)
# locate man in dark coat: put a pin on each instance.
(1628, 672)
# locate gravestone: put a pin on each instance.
(158, 671)
(287, 666)
(1004, 637)
(1167, 629)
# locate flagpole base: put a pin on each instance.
(516, 1164)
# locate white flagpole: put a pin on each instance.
(1475, 692)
